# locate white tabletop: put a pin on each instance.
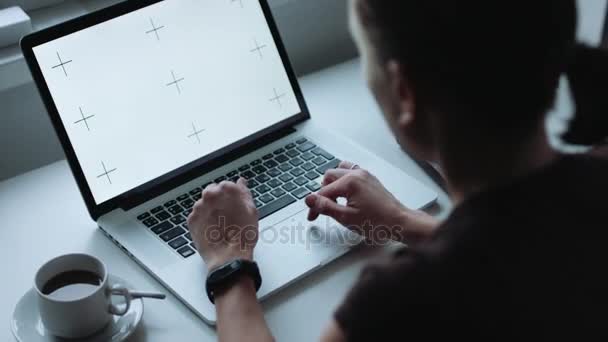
(43, 216)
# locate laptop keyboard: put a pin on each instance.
(276, 181)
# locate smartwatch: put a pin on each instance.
(225, 276)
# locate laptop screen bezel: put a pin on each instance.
(177, 177)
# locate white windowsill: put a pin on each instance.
(13, 69)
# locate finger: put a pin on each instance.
(339, 188)
(333, 175)
(346, 165)
(243, 182)
(324, 206)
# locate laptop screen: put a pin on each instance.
(148, 92)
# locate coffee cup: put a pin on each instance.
(75, 297)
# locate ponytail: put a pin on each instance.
(588, 76)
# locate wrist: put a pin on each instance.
(416, 225)
(220, 260)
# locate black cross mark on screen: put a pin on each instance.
(155, 29)
(196, 133)
(175, 82)
(106, 173)
(277, 98)
(84, 119)
(62, 64)
(258, 48)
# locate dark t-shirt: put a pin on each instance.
(527, 260)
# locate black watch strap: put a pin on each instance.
(225, 276)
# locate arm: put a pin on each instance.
(239, 314)
(224, 227)
(333, 333)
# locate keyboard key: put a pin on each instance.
(248, 174)
(258, 204)
(293, 153)
(176, 209)
(170, 204)
(301, 193)
(163, 215)
(188, 236)
(187, 213)
(267, 198)
(143, 216)
(205, 186)
(189, 203)
(196, 191)
(290, 146)
(271, 163)
(254, 194)
(301, 141)
(259, 169)
(186, 252)
(278, 193)
(312, 175)
(286, 178)
(256, 162)
(297, 172)
(232, 174)
(275, 183)
(177, 220)
(161, 228)
(331, 165)
(279, 151)
(301, 181)
(268, 156)
(308, 166)
(220, 179)
(172, 234)
(263, 178)
(197, 196)
(313, 186)
(319, 161)
(252, 183)
(157, 210)
(289, 187)
(286, 167)
(321, 152)
(193, 246)
(185, 226)
(305, 147)
(274, 173)
(296, 162)
(183, 197)
(263, 189)
(150, 222)
(244, 168)
(307, 156)
(179, 242)
(275, 206)
(234, 179)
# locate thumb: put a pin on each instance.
(243, 182)
(320, 205)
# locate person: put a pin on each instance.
(466, 85)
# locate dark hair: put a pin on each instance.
(493, 64)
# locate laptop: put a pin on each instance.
(154, 100)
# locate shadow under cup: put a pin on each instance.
(82, 315)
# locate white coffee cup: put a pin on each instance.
(84, 316)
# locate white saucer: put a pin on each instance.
(27, 325)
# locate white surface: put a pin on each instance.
(27, 326)
(44, 216)
(14, 24)
(122, 75)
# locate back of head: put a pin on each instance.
(493, 65)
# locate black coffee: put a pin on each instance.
(72, 285)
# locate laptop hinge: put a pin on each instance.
(135, 200)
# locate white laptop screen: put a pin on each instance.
(148, 92)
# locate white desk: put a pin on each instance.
(44, 216)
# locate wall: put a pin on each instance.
(315, 35)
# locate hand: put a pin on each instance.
(371, 210)
(224, 224)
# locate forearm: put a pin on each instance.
(415, 226)
(239, 314)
